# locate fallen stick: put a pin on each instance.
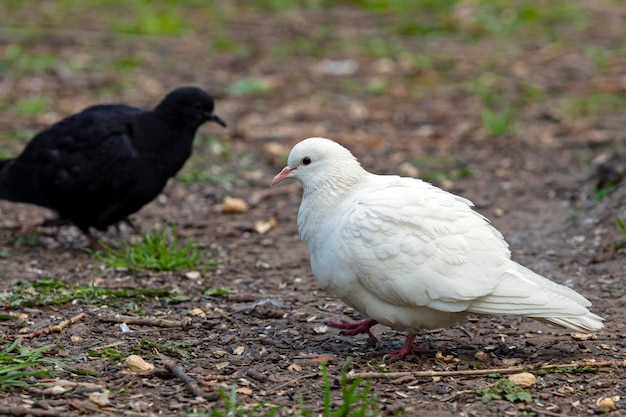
(191, 383)
(290, 382)
(57, 328)
(479, 372)
(160, 372)
(22, 411)
(211, 377)
(256, 375)
(145, 321)
(540, 411)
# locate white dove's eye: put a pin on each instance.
(306, 160)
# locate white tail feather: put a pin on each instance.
(527, 293)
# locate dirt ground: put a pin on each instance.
(538, 185)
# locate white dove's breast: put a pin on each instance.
(329, 264)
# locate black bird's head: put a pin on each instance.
(189, 105)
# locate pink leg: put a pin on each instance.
(406, 348)
(353, 328)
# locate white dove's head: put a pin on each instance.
(315, 161)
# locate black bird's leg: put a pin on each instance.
(130, 223)
(94, 245)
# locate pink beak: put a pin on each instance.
(282, 175)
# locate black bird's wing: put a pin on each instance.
(82, 167)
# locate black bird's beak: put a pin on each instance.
(215, 118)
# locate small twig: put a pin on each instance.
(57, 328)
(290, 382)
(22, 411)
(83, 406)
(256, 375)
(478, 372)
(211, 377)
(145, 321)
(191, 383)
(467, 332)
(539, 411)
(160, 372)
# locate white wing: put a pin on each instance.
(415, 244)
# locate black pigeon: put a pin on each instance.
(97, 167)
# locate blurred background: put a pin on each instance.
(431, 71)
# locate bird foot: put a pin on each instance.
(406, 348)
(354, 328)
(132, 225)
(94, 245)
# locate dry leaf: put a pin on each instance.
(192, 274)
(239, 350)
(67, 383)
(234, 205)
(137, 364)
(100, 398)
(320, 358)
(197, 312)
(444, 358)
(523, 379)
(222, 365)
(57, 390)
(321, 329)
(262, 227)
(294, 367)
(244, 391)
(582, 336)
(605, 404)
(402, 394)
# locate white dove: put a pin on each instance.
(409, 255)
